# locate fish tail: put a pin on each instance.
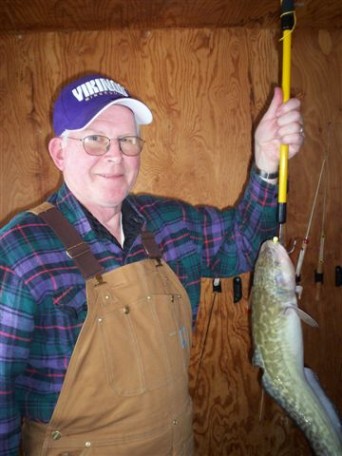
(327, 405)
(301, 402)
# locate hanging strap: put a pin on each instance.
(151, 247)
(79, 250)
(76, 248)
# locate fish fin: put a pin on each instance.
(257, 359)
(272, 389)
(302, 315)
(328, 406)
(307, 318)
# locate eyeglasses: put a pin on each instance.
(99, 145)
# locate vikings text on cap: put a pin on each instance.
(96, 87)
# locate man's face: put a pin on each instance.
(100, 182)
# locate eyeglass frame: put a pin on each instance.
(118, 139)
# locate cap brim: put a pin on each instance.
(141, 112)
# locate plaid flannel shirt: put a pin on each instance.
(42, 296)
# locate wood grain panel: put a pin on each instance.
(317, 76)
(207, 88)
(64, 15)
(25, 164)
(195, 140)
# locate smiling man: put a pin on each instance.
(100, 287)
(101, 163)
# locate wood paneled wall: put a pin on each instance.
(207, 88)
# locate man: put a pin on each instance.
(98, 297)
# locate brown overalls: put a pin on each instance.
(125, 392)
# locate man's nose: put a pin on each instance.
(114, 150)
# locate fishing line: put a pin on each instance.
(204, 337)
(320, 262)
(319, 275)
(319, 271)
(299, 288)
(261, 405)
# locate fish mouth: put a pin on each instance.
(275, 259)
(275, 250)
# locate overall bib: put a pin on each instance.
(125, 392)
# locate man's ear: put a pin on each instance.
(57, 152)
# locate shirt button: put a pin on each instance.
(87, 444)
(56, 435)
(175, 422)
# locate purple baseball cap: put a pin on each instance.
(81, 101)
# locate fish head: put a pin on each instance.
(275, 266)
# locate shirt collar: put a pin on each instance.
(80, 217)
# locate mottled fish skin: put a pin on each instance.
(278, 350)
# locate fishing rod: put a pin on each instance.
(287, 25)
(319, 270)
(319, 277)
(299, 288)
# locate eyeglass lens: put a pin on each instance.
(99, 145)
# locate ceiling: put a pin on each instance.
(20, 16)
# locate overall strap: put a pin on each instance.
(76, 248)
(151, 247)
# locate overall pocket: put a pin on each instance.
(145, 344)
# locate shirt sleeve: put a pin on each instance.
(232, 237)
(16, 326)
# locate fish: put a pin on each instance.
(278, 351)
